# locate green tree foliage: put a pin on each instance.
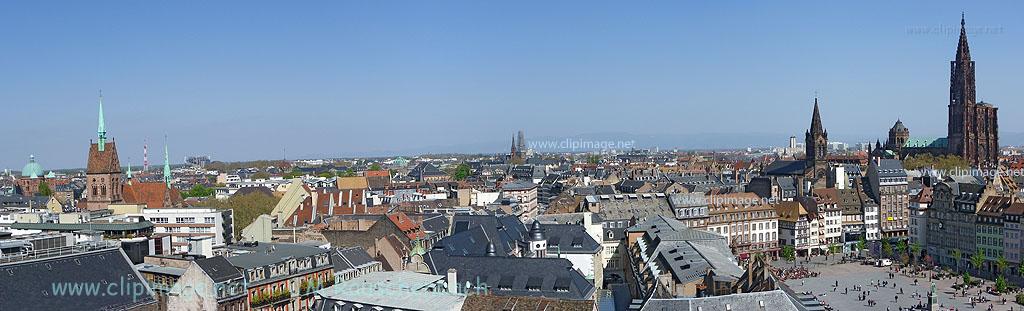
(198, 191)
(593, 159)
(327, 174)
(901, 247)
(977, 260)
(44, 189)
(862, 244)
(1001, 264)
(461, 172)
(375, 167)
(1001, 284)
(886, 248)
(294, 173)
(967, 278)
(944, 162)
(246, 208)
(348, 173)
(789, 253)
(957, 256)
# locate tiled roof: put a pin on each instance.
(355, 183)
(102, 162)
(151, 193)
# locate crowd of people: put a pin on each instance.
(792, 273)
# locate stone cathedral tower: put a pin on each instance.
(103, 171)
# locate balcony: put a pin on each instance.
(261, 299)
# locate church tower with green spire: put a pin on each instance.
(103, 170)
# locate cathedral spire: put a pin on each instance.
(963, 52)
(101, 130)
(816, 119)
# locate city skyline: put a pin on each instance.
(477, 87)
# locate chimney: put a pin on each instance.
(453, 281)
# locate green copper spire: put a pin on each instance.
(129, 172)
(167, 166)
(102, 129)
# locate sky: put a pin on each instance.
(242, 80)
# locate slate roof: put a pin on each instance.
(785, 167)
(516, 276)
(518, 185)
(218, 268)
(687, 253)
(350, 258)
(30, 284)
(891, 168)
(622, 207)
(259, 257)
(471, 233)
(775, 300)
(569, 239)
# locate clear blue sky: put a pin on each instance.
(246, 79)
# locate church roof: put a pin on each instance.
(926, 143)
(898, 127)
(32, 169)
(103, 162)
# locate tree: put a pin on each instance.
(327, 174)
(461, 172)
(957, 256)
(294, 173)
(198, 191)
(886, 248)
(1000, 284)
(915, 249)
(375, 167)
(967, 278)
(789, 253)
(593, 159)
(1001, 265)
(834, 248)
(348, 173)
(977, 260)
(44, 189)
(246, 208)
(862, 244)
(1020, 270)
(261, 175)
(901, 247)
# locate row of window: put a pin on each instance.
(182, 220)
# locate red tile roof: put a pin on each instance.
(102, 162)
(152, 194)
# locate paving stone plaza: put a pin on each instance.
(888, 297)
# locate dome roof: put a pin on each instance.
(32, 169)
